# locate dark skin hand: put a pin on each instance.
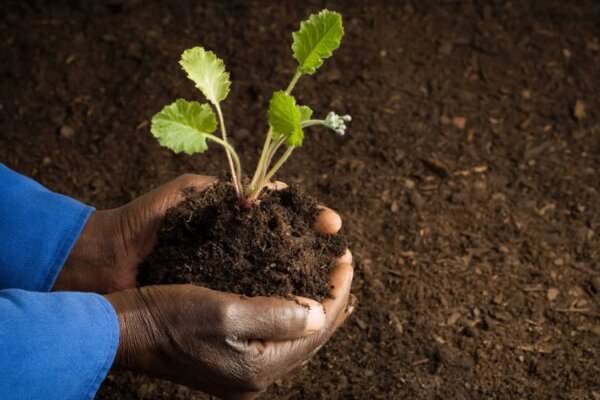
(221, 343)
(114, 242)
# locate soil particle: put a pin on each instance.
(579, 111)
(552, 294)
(459, 122)
(67, 132)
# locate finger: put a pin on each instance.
(197, 182)
(276, 185)
(268, 318)
(348, 310)
(177, 189)
(324, 336)
(289, 355)
(345, 258)
(328, 222)
(159, 200)
(341, 282)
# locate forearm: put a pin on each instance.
(138, 331)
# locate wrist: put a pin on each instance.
(138, 333)
(91, 261)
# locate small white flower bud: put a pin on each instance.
(336, 122)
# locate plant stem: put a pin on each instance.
(236, 174)
(293, 82)
(260, 166)
(266, 157)
(273, 150)
(269, 149)
(236, 166)
(271, 172)
(312, 122)
(279, 163)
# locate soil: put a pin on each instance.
(468, 181)
(269, 249)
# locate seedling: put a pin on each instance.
(186, 126)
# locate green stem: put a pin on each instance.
(293, 82)
(270, 153)
(236, 174)
(254, 195)
(312, 122)
(273, 151)
(260, 166)
(279, 163)
(236, 166)
(268, 149)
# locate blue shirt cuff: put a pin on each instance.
(57, 345)
(38, 229)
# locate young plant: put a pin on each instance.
(186, 126)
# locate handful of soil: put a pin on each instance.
(268, 249)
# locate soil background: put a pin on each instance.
(468, 181)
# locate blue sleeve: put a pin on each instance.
(56, 345)
(38, 228)
(52, 345)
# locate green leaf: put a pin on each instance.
(305, 113)
(285, 118)
(208, 73)
(182, 126)
(316, 40)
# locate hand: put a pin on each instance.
(226, 344)
(106, 256)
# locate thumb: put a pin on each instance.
(269, 318)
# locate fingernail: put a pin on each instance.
(315, 320)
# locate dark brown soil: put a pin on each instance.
(468, 182)
(268, 249)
